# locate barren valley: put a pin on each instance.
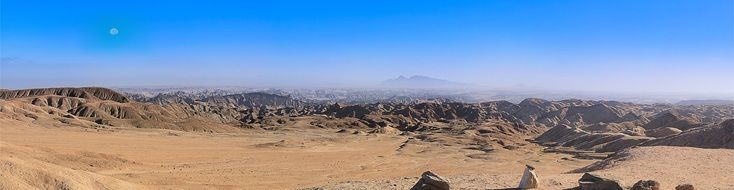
(96, 138)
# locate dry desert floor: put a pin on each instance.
(79, 158)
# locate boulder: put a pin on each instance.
(646, 185)
(430, 181)
(529, 178)
(685, 187)
(592, 182)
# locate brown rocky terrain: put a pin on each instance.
(716, 136)
(75, 138)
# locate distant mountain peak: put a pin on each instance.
(420, 81)
(422, 77)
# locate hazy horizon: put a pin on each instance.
(629, 47)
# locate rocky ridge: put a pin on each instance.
(599, 126)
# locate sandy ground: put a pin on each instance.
(709, 169)
(79, 158)
(255, 160)
(704, 168)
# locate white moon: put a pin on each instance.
(114, 31)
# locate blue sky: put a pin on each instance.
(617, 46)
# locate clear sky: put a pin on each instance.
(594, 45)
